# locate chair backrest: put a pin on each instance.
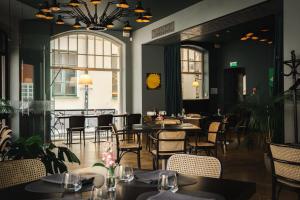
(193, 165)
(286, 162)
(5, 141)
(213, 131)
(3, 128)
(133, 119)
(171, 142)
(16, 172)
(77, 121)
(105, 120)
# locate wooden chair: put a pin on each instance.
(167, 143)
(193, 165)
(285, 168)
(104, 124)
(211, 144)
(127, 146)
(76, 124)
(17, 172)
(3, 128)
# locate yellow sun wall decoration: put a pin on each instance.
(153, 81)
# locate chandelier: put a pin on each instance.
(87, 16)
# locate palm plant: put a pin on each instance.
(52, 156)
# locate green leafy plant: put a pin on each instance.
(53, 157)
(5, 108)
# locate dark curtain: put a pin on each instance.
(278, 75)
(173, 79)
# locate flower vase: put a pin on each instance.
(111, 180)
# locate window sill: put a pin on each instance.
(66, 97)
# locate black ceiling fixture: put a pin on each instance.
(86, 17)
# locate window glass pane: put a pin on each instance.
(115, 62)
(73, 43)
(64, 59)
(184, 54)
(58, 89)
(114, 85)
(184, 66)
(191, 67)
(107, 48)
(72, 59)
(191, 55)
(99, 61)
(91, 44)
(198, 56)
(99, 46)
(198, 67)
(63, 43)
(58, 76)
(107, 62)
(70, 89)
(115, 50)
(91, 61)
(82, 61)
(56, 44)
(82, 49)
(51, 45)
(56, 60)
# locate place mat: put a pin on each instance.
(151, 177)
(199, 195)
(41, 186)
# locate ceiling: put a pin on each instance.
(159, 8)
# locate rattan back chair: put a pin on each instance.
(5, 140)
(127, 146)
(193, 165)
(3, 128)
(17, 172)
(211, 144)
(166, 144)
(285, 168)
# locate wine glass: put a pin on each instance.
(167, 182)
(125, 173)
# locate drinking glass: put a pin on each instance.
(125, 173)
(167, 182)
(72, 182)
(100, 193)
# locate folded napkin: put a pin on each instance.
(150, 177)
(175, 196)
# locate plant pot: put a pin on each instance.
(268, 162)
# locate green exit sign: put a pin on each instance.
(233, 64)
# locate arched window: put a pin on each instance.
(194, 73)
(75, 53)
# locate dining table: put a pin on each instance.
(227, 189)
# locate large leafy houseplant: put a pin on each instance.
(52, 156)
(5, 109)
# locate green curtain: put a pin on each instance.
(173, 89)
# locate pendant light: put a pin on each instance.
(139, 8)
(140, 19)
(127, 27)
(123, 4)
(49, 16)
(74, 3)
(148, 14)
(77, 24)
(46, 8)
(40, 15)
(59, 20)
(95, 2)
(109, 25)
(55, 6)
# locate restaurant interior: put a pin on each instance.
(149, 100)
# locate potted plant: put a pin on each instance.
(5, 109)
(52, 156)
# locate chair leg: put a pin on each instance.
(153, 163)
(67, 137)
(274, 190)
(139, 159)
(83, 132)
(80, 137)
(95, 135)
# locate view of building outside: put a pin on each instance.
(79, 51)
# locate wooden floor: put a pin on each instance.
(239, 163)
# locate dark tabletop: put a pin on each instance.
(231, 190)
(157, 127)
